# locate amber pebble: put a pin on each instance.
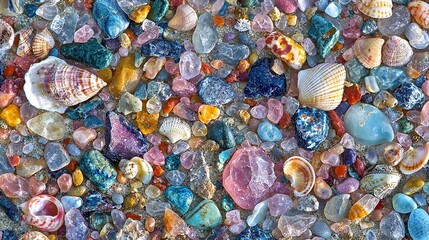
(216, 64)
(77, 191)
(340, 171)
(139, 14)
(206, 113)
(9, 70)
(77, 177)
(169, 105)
(173, 223)
(352, 94)
(105, 74)
(120, 178)
(195, 142)
(146, 122)
(253, 58)
(243, 66)
(164, 147)
(218, 21)
(157, 171)
(126, 76)
(67, 141)
(52, 237)
(250, 102)
(244, 115)
(205, 68)
(413, 185)
(149, 223)
(72, 165)
(285, 120)
(338, 46)
(133, 200)
(11, 115)
(161, 187)
(337, 123)
(14, 160)
(133, 216)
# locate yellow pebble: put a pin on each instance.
(11, 115)
(291, 20)
(125, 40)
(77, 177)
(206, 113)
(413, 185)
(146, 122)
(52, 237)
(140, 14)
(244, 115)
(310, 12)
(105, 74)
(275, 14)
(253, 58)
(77, 191)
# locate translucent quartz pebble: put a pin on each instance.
(83, 34)
(118, 218)
(76, 227)
(56, 156)
(189, 65)
(279, 204)
(230, 53)
(49, 125)
(337, 207)
(198, 4)
(175, 177)
(70, 202)
(321, 229)
(396, 24)
(64, 25)
(294, 224)
(47, 11)
(262, 23)
(333, 9)
(156, 208)
(258, 213)
(371, 84)
(205, 35)
(392, 226)
(363, 207)
(417, 37)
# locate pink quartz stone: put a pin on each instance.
(36, 187)
(423, 131)
(65, 182)
(187, 159)
(287, 6)
(259, 112)
(237, 228)
(424, 115)
(348, 186)
(279, 204)
(260, 43)
(171, 67)
(155, 156)
(189, 65)
(404, 139)
(52, 188)
(146, 36)
(233, 216)
(275, 110)
(248, 177)
(183, 88)
(305, 154)
(414, 116)
(82, 136)
(8, 90)
(323, 171)
(183, 111)
(330, 158)
(347, 141)
(154, 139)
(348, 55)
(425, 88)
(14, 186)
(262, 23)
(83, 34)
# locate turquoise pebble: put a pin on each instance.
(98, 169)
(323, 34)
(225, 155)
(268, 132)
(418, 224)
(204, 216)
(91, 53)
(426, 188)
(420, 199)
(172, 162)
(158, 10)
(222, 134)
(403, 203)
(180, 197)
(227, 203)
(389, 78)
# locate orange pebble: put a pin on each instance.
(251, 102)
(341, 171)
(169, 105)
(120, 178)
(218, 21)
(243, 65)
(337, 46)
(14, 160)
(161, 186)
(133, 216)
(130, 34)
(9, 70)
(164, 147)
(67, 141)
(217, 64)
(352, 94)
(157, 171)
(72, 166)
(205, 68)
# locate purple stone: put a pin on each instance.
(228, 37)
(349, 156)
(111, 44)
(348, 186)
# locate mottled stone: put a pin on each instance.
(215, 91)
(311, 127)
(263, 82)
(98, 169)
(91, 53)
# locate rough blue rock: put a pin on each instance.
(349, 156)
(230, 53)
(93, 122)
(9, 208)
(141, 91)
(255, 232)
(403, 203)
(172, 162)
(222, 134)
(70, 202)
(9, 235)
(97, 169)
(389, 78)
(84, 109)
(268, 132)
(323, 34)
(311, 127)
(215, 91)
(180, 197)
(355, 70)
(162, 48)
(94, 202)
(418, 224)
(91, 53)
(110, 17)
(248, 3)
(369, 26)
(263, 82)
(409, 96)
(5, 166)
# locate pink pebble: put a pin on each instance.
(348, 186)
(275, 110)
(287, 6)
(83, 34)
(155, 156)
(262, 23)
(183, 88)
(279, 204)
(425, 88)
(83, 136)
(64, 182)
(187, 159)
(36, 187)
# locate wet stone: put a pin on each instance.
(323, 34)
(230, 53)
(262, 82)
(409, 96)
(222, 134)
(98, 169)
(311, 127)
(162, 48)
(388, 78)
(91, 53)
(180, 198)
(215, 91)
(56, 156)
(205, 36)
(110, 17)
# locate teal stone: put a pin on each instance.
(204, 216)
(222, 134)
(110, 17)
(389, 78)
(418, 224)
(403, 203)
(368, 125)
(91, 53)
(98, 220)
(158, 10)
(268, 132)
(355, 70)
(227, 203)
(324, 34)
(225, 155)
(98, 169)
(248, 3)
(180, 197)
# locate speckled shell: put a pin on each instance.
(175, 129)
(24, 42)
(11, 7)
(54, 85)
(363, 207)
(286, 49)
(375, 8)
(420, 12)
(322, 87)
(34, 235)
(368, 51)
(185, 18)
(301, 174)
(381, 181)
(414, 159)
(44, 212)
(396, 52)
(145, 171)
(43, 42)
(6, 36)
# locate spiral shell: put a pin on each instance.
(414, 159)
(286, 49)
(185, 18)
(396, 52)
(393, 154)
(6, 36)
(44, 212)
(322, 87)
(363, 207)
(301, 174)
(375, 8)
(368, 51)
(54, 85)
(144, 169)
(24, 43)
(175, 129)
(420, 12)
(381, 181)
(34, 235)
(43, 42)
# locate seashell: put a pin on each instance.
(420, 12)
(396, 52)
(43, 42)
(34, 235)
(24, 43)
(368, 51)
(414, 159)
(144, 170)
(11, 7)
(44, 212)
(6, 36)
(301, 174)
(363, 207)
(286, 49)
(185, 18)
(175, 129)
(393, 154)
(375, 8)
(322, 87)
(381, 181)
(54, 85)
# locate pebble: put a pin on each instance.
(76, 226)
(263, 82)
(98, 169)
(9, 208)
(323, 34)
(158, 9)
(205, 36)
(409, 96)
(56, 156)
(180, 197)
(321, 229)
(268, 132)
(215, 91)
(403, 203)
(110, 17)
(417, 37)
(311, 127)
(205, 215)
(91, 53)
(230, 53)
(162, 48)
(396, 24)
(49, 125)
(70, 202)
(418, 224)
(337, 207)
(392, 226)
(258, 214)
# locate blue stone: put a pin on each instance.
(93, 122)
(368, 125)
(162, 48)
(111, 44)
(321, 229)
(248, 3)
(30, 10)
(244, 38)
(255, 232)
(311, 127)
(215, 91)
(268, 132)
(369, 26)
(225, 155)
(110, 17)
(135, 28)
(227, 203)
(158, 9)
(389, 78)
(180, 197)
(70, 202)
(263, 82)
(84, 109)
(91, 53)
(204, 216)
(54, 52)
(419, 81)
(5, 166)
(172, 162)
(224, 9)
(222, 134)
(9, 208)
(73, 150)
(324, 34)
(94, 202)
(349, 156)
(426, 188)
(409, 96)
(367, 98)
(420, 199)
(342, 108)
(98, 169)
(9, 235)
(418, 224)
(230, 53)
(141, 91)
(355, 70)
(160, 90)
(403, 203)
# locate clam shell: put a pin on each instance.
(420, 12)
(381, 181)
(396, 52)
(44, 212)
(11, 7)
(375, 8)
(144, 170)
(322, 87)
(34, 235)
(286, 49)
(175, 129)
(414, 159)
(363, 207)
(6, 36)
(185, 18)
(24, 43)
(301, 174)
(54, 85)
(368, 51)
(43, 42)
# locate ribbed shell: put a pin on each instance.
(322, 87)
(368, 51)
(43, 42)
(145, 171)
(44, 212)
(414, 159)
(286, 49)
(381, 181)
(175, 129)
(375, 8)
(24, 43)
(420, 12)
(34, 235)
(185, 18)
(301, 174)
(396, 52)
(6, 36)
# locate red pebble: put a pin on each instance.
(170, 104)
(164, 147)
(285, 120)
(251, 102)
(14, 160)
(176, 3)
(352, 94)
(133, 216)
(340, 171)
(157, 171)
(380, 204)
(359, 166)
(9, 70)
(232, 77)
(337, 123)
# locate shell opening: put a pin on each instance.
(46, 208)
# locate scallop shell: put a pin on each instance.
(381, 181)
(301, 174)
(44, 212)
(54, 85)
(175, 129)
(363, 207)
(34, 235)
(144, 170)
(43, 42)
(6, 36)
(11, 7)
(322, 87)
(368, 51)
(414, 159)
(24, 43)
(286, 49)
(420, 12)
(185, 18)
(396, 52)
(375, 8)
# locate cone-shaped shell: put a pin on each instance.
(43, 42)
(44, 212)
(368, 51)
(54, 85)
(396, 52)
(24, 42)
(185, 18)
(375, 8)
(286, 49)
(381, 181)
(301, 174)
(6, 36)
(175, 129)
(414, 159)
(322, 87)
(420, 12)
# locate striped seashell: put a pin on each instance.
(6, 36)
(175, 129)
(414, 159)
(322, 87)
(286, 49)
(11, 7)
(24, 42)
(420, 12)
(43, 42)
(301, 174)
(368, 51)
(54, 85)
(185, 18)
(44, 212)
(396, 52)
(375, 8)
(144, 170)
(363, 207)
(381, 181)
(34, 235)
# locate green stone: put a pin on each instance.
(204, 216)
(247, 3)
(91, 53)
(98, 169)
(324, 34)
(227, 203)
(405, 126)
(158, 10)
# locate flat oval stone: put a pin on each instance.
(205, 215)
(403, 203)
(215, 91)
(418, 224)
(180, 197)
(98, 169)
(268, 132)
(311, 127)
(230, 53)
(110, 17)
(91, 53)
(205, 36)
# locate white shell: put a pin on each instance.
(144, 170)
(301, 174)
(185, 18)
(381, 181)
(175, 129)
(414, 159)
(43, 42)
(44, 212)
(24, 43)
(397, 52)
(368, 51)
(375, 8)
(7, 35)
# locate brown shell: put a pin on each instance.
(375, 8)
(414, 159)
(301, 175)
(396, 52)
(24, 42)
(43, 42)
(420, 12)
(368, 51)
